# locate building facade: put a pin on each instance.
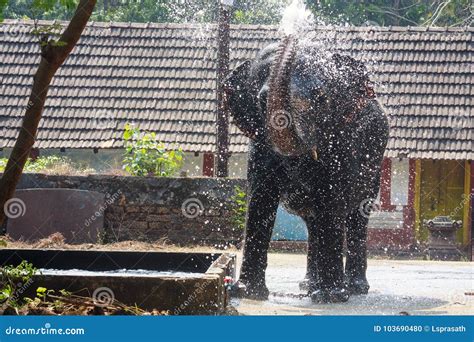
(162, 77)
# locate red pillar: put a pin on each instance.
(208, 165)
(471, 210)
(409, 214)
(385, 184)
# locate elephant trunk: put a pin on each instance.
(280, 122)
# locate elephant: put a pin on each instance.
(317, 139)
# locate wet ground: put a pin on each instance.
(397, 287)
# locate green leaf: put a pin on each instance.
(127, 134)
(45, 5)
(65, 293)
(69, 4)
(58, 43)
(145, 155)
(41, 290)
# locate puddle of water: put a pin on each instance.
(121, 273)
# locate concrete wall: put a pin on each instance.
(182, 210)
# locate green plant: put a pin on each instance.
(12, 280)
(15, 274)
(44, 299)
(145, 156)
(15, 279)
(41, 293)
(3, 164)
(239, 208)
(401, 12)
(44, 163)
(50, 164)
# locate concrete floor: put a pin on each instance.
(397, 287)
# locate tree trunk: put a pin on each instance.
(52, 57)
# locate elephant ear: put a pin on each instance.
(241, 101)
(356, 75)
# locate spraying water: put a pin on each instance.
(310, 30)
(296, 18)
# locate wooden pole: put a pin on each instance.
(223, 39)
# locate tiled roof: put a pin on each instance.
(162, 77)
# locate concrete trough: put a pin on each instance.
(182, 283)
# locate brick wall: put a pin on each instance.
(182, 210)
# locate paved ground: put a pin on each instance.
(413, 287)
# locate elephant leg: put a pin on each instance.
(311, 281)
(329, 265)
(356, 261)
(262, 208)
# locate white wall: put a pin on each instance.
(399, 179)
(238, 165)
(193, 164)
(110, 160)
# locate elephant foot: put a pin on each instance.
(358, 286)
(334, 295)
(304, 284)
(258, 291)
(309, 286)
